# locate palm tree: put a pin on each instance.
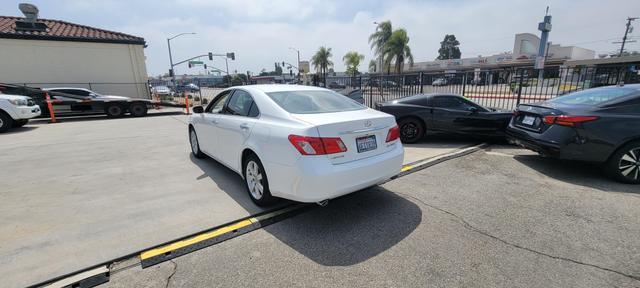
(397, 50)
(352, 60)
(321, 61)
(379, 38)
(373, 66)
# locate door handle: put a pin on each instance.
(244, 126)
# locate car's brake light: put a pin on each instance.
(566, 120)
(393, 134)
(317, 145)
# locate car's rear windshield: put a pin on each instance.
(594, 96)
(313, 101)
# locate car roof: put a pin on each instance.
(268, 88)
(60, 88)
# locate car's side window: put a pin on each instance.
(450, 102)
(217, 105)
(241, 104)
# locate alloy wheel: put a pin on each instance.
(629, 165)
(253, 177)
(194, 142)
(409, 131)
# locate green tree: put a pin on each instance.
(352, 60)
(449, 48)
(397, 50)
(322, 61)
(379, 39)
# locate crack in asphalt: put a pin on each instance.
(175, 268)
(470, 227)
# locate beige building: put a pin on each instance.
(53, 53)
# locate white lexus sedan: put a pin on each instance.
(301, 143)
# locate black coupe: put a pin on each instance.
(595, 125)
(446, 113)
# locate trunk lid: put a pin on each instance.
(531, 116)
(357, 130)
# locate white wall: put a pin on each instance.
(75, 64)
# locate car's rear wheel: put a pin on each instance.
(6, 122)
(114, 110)
(195, 145)
(411, 130)
(256, 181)
(20, 123)
(624, 164)
(138, 109)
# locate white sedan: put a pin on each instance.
(301, 143)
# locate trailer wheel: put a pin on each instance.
(138, 109)
(114, 110)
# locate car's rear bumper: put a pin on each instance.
(314, 179)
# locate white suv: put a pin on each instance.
(16, 110)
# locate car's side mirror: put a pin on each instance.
(473, 110)
(198, 109)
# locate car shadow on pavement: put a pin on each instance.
(351, 229)
(577, 173)
(22, 129)
(229, 182)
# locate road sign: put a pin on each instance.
(304, 66)
(193, 63)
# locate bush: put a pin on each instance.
(196, 98)
(205, 101)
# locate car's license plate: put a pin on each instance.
(366, 143)
(528, 120)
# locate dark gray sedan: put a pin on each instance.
(447, 113)
(596, 125)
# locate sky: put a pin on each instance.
(260, 32)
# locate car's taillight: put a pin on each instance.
(393, 134)
(317, 145)
(566, 120)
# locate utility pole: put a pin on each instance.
(172, 73)
(298, 64)
(545, 28)
(626, 31)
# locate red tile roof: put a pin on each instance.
(64, 31)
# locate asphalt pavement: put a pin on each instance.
(500, 217)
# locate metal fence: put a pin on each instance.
(498, 88)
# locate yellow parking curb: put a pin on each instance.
(195, 239)
(406, 168)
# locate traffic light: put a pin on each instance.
(205, 66)
(282, 63)
(189, 64)
(170, 72)
(231, 55)
(290, 72)
(210, 56)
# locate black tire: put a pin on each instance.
(138, 109)
(624, 164)
(194, 143)
(114, 110)
(6, 121)
(412, 130)
(20, 123)
(261, 199)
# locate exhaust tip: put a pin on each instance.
(323, 203)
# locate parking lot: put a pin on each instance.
(85, 191)
(501, 217)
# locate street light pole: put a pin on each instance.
(297, 51)
(173, 73)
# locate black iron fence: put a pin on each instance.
(498, 88)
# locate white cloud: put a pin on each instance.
(260, 32)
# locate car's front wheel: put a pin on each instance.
(256, 181)
(411, 130)
(195, 145)
(6, 122)
(624, 164)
